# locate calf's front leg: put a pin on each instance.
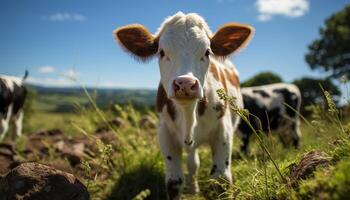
(192, 166)
(171, 152)
(221, 151)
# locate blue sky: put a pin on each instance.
(58, 38)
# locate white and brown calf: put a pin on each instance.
(193, 65)
(12, 97)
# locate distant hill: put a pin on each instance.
(64, 99)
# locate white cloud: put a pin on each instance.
(46, 69)
(71, 78)
(51, 82)
(290, 8)
(264, 17)
(59, 17)
(61, 82)
(67, 78)
(112, 84)
(71, 74)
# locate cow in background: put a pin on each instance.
(12, 98)
(269, 113)
(193, 64)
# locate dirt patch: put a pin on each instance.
(55, 148)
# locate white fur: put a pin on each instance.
(183, 54)
(185, 39)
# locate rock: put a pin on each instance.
(147, 122)
(74, 152)
(34, 181)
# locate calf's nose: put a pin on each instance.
(186, 87)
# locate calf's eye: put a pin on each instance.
(161, 53)
(207, 53)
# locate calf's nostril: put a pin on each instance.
(189, 143)
(176, 86)
(194, 86)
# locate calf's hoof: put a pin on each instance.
(174, 188)
(192, 187)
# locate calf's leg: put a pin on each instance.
(171, 152)
(192, 165)
(221, 152)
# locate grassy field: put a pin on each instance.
(135, 167)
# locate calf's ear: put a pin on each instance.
(137, 40)
(230, 38)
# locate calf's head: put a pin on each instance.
(184, 46)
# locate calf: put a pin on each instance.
(268, 112)
(193, 64)
(12, 97)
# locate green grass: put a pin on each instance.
(141, 167)
(136, 168)
(47, 120)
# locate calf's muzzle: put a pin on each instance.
(186, 87)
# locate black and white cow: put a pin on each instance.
(269, 113)
(12, 97)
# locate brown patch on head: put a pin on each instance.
(218, 75)
(223, 79)
(137, 40)
(162, 100)
(215, 71)
(230, 38)
(232, 77)
(202, 105)
(220, 108)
